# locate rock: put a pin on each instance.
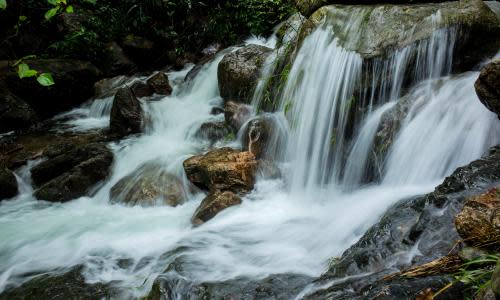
(410, 222)
(214, 131)
(495, 280)
(488, 86)
(14, 112)
(160, 84)
(8, 184)
(108, 87)
(383, 28)
(236, 114)
(74, 84)
(141, 89)
(239, 71)
(277, 286)
(117, 62)
(149, 185)
(126, 113)
(479, 221)
(54, 286)
(72, 174)
(214, 204)
(222, 169)
(259, 137)
(216, 110)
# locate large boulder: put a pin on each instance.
(479, 221)
(8, 184)
(74, 84)
(214, 204)
(14, 112)
(149, 185)
(239, 71)
(409, 225)
(222, 169)
(71, 173)
(126, 113)
(488, 86)
(382, 28)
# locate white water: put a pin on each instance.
(291, 225)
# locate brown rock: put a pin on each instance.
(479, 221)
(222, 169)
(488, 86)
(214, 204)
(159, 84)
(126, 113)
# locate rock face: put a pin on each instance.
(236, 114)
(213, 204)
(479, 221)
(222, 169)
(408, 223)
(74, 84)
(8, 184)
(214, 131)
(14, 112)
(70, 285)
(126, 113)
(379, 29)
(239, 71)
(71, 173)
(261, 137)
(149, 185)
(159, 84)
(488, 86)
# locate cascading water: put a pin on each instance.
(290, 225)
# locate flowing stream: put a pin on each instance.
(290, 225)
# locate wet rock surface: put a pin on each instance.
(213, 204)
(149, 185)
(126, 113)
(411, 223)
(15, 113)
(71, 174)
(488, 86)
(8, 184)
(222, 169)
(159, 84)
(214, 131)
(239, 71)
(261, 137)
(236, 114)
(70, 285)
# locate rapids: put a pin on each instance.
(289, 225)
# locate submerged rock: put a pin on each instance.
(239, 71)
(488, 86)
(71, 174)
(126, 113)
(149, 185)
(236, 114)
(8, 184)
(214, 131)
(222, 169)
(479, 221)
(409, 223)
(379, 29)
(74, 84)
(15, 113)
(214, 204)
(70, 285)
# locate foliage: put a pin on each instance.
(58, 6)
(24, 71)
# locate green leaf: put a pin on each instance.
(3, 4)
(24, 71)
(45, 79)
(69, 9)
(22, 18)
(51, 13)
(52, 2)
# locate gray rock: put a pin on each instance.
(126, 113)
(239, 71)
